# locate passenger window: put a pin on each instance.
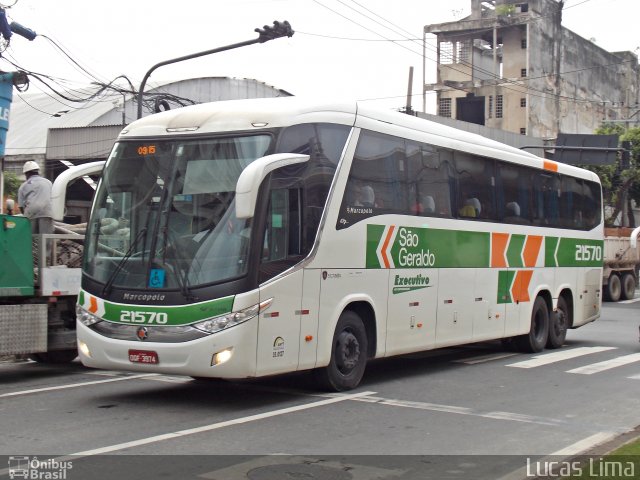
(376, 182)
(476, 179)
(429, 178)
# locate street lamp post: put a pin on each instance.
(279, 29)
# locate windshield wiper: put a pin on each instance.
(107, 286)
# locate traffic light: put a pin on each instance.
(625, 159)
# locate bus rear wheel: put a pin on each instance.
(536, 339)
(348, 355)
(558, 324)
(628, 286)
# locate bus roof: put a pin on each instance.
(254, 114)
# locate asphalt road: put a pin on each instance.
(477, 411)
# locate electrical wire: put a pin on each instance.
(512, 85)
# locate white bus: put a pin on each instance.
(256, 237)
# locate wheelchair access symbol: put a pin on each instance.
(156, 279)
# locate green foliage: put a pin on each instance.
(11, 185)
(615, 181)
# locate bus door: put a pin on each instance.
(279, 325)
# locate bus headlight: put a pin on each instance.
(85, 317)
(213, 325)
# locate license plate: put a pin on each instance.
(143, 356)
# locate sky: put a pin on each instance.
(341, 48)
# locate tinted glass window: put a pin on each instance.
(475, 193)
(430, 180)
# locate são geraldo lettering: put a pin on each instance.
(414, 258)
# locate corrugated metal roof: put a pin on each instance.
(32, 115)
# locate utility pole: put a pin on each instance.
(279, 29)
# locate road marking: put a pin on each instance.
(633, 300)
(607, 364)
(205, 428)
(634, 377)
(434, 407)
(485, 358)
(570, 451)
(219, 425)
(75, 385)
(558, 356)
(586, 444)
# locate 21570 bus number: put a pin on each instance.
(149, 318)
(588, 253)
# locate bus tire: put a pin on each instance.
(628, 286)
(55, 357)
(614, 288)
(558, 324)
(536, 339)
(348, 354)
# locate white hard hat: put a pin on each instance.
(30, 166)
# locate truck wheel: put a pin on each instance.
(536, 339)
(628, 286)
(558, 325)
(614, 288)
(348, 355)
(55, 357)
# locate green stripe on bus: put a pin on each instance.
(175, 315)
(415, 247)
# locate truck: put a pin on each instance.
(621, 263)
(40, 281)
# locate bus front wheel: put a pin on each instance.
(536, 339)
(348, 354)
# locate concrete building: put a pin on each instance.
(57, 133)
(511, 65)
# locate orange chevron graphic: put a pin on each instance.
(520, 288)
(531, 250)
(499, 242)
(93, 304)
(385, 247)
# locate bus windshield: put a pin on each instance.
(164, 214)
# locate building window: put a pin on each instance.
(523, 131)
(523, 72)
(523, 43)
(490, 113)
(498, 106)
(523, 102)
(455, 52)
(444, 107)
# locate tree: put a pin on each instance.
(620, 183)
(11, 185)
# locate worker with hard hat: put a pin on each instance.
(34, 199)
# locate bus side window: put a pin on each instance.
(476, 180)
(281, 245)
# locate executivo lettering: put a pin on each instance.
(402, 284)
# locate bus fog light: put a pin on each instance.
(84, 349)
(221, 357)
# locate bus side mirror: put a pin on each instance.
(59, 187)
(253, 175)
